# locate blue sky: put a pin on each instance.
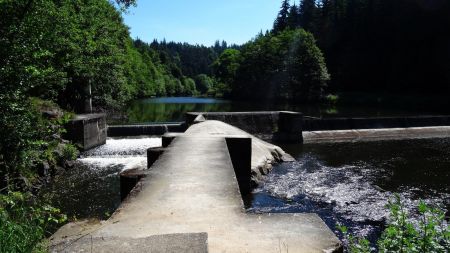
(201, 21)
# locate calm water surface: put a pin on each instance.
(172, 109)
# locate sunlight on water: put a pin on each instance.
(347, 192)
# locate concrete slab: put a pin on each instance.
(192, 188)
(264, 154)
(173, 243)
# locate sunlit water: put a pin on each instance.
(351, 183)
(92, 187)
(348, 184)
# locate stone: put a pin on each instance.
(44, 169)
(52, 114)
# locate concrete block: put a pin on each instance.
(128, 180)
(87, 130)
(153, 154)
(290, 127)
(166, 243)
(190, 117)
(290, 122)
(167, 138)
(240, 150)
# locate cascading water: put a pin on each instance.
(351, 184)
(92, 187)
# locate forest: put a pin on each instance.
(51, 49)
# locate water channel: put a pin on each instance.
(348, 184)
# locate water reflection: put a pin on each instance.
(172, 109)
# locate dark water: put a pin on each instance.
(92, 188)
(172, 109)
(351, 183)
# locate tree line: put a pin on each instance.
(377, 45)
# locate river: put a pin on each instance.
(172, 109)
(348, 184)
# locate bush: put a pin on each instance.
(332, 99)
(70, 152)
(431, 234)
(23, 222)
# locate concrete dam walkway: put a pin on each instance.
(190, 201)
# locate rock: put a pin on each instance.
(69, 164)
(56, 136)
(43, 169)
(52, 114)
(58, 152)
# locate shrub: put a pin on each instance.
(431, 234)
(23, 222)
(70, 152)
(332, 99)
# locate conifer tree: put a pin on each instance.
(308, 15)
(293, 18)
(281, 22)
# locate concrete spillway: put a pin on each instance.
(189, 201)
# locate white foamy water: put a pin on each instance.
(126, 163)
(128, 153)
(353, 196)
(124, 147)
(349, 190)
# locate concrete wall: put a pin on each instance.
(87, 130)
(282, 126)
(136, 130)
(252, 122)
(313, 124)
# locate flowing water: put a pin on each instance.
(348, 184)
(351, 183)
(92, 187)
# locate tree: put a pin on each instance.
(306, 67)
(281, 22)
(308, 15)
(126, 3)
(203, 83)
(293, 18)
(226, 66)
(287, 65)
